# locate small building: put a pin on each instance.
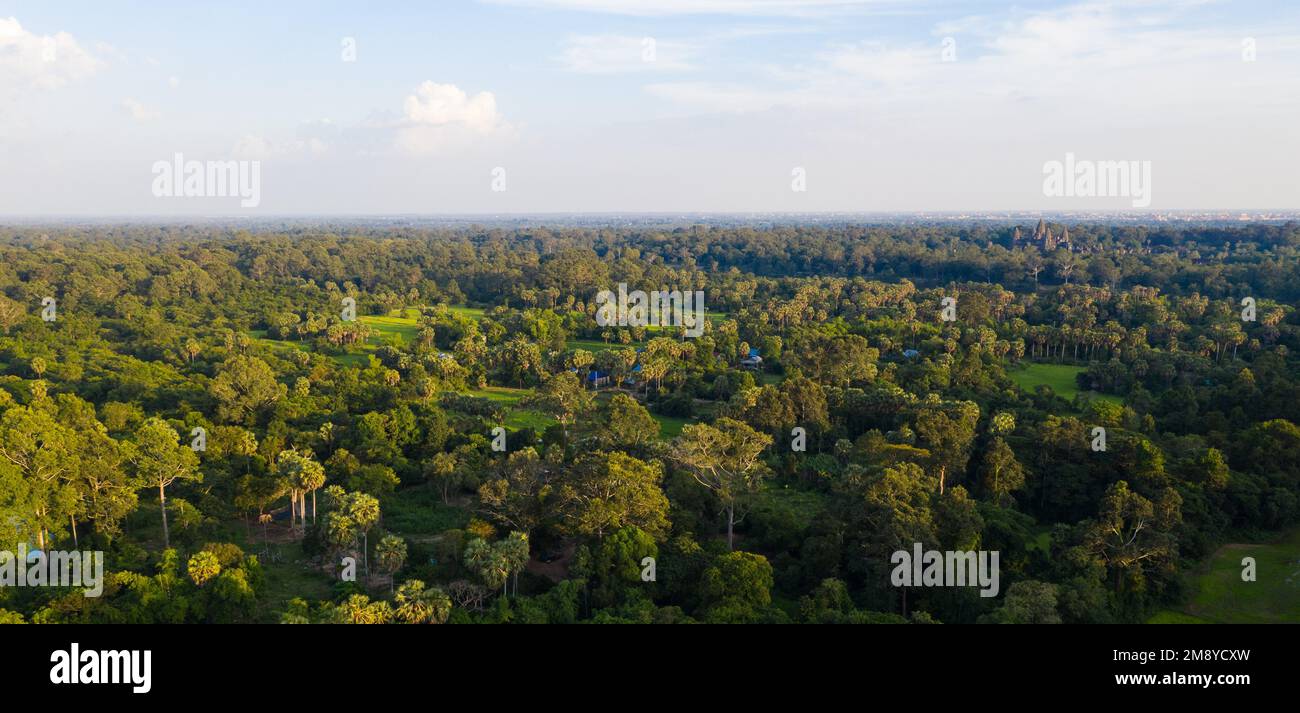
(753, 361)
(631, 379)
(595, 379)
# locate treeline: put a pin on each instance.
(915, 429)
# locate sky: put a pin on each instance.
(565, 106)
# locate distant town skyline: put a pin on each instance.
(518, 107)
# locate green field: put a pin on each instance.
(509, 398)
(475, 313)
(1173, 617)
(670, 426)
(384, 330)
(1060, 377)
(807, 505)
(504, 395)
(288, 576)
(1222, 598)
(420, 511)
(275, 345)
(1042, 541)
(401, 329)
(404, 327)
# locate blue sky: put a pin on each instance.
(566, 97)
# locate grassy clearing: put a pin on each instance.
(516, 417)
(1060, 377)
(805, 504)
(528, 418)
(1173, 617)
(670, 426)
(276, 345)
(475, 313)
(1222, 598)
(1042, 541)
(359, 360)
(287, 578)
(403, 327)
(504, 395)
(420, 511)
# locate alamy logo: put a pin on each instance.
(674, 308)
(179, 178)
(55, 568)
(76, 666)
(932, 568)
(1098, 179)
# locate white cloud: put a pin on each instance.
(31, 61)
(1093, 55)
(619, 54)
(139, 111)
(447, 104)
(443, 116)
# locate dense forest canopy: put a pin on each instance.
(641, 476)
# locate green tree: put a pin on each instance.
(418, 604)
(301, 474)
(488, 562)
(627, 423)
(519, 359)
(1027, 602)
(495, 562)
(203, 567)
(520, 496)
(43, 453)
(442, 471)
(736, 588)
(358, 609)
(243, 387)
(363, 511)
(895, 513)
(160, 460)
(1134, 536)
(515, 550)
(1000, 472)
(725, 458)
(948, 434)
(563, 397)
(607, 491)
(390, 553)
